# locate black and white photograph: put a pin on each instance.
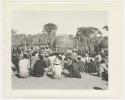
(59, 50)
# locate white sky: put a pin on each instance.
(32, 22)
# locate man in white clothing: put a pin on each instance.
(24, 66)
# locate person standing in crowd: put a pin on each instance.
(24, 66)
(74, 54)
(48, 61)
(51, 62)
(29, 54)
(83, 59)
(75, 69)
(80, 64)
(104, 70)
(34, 58)
(39, 67)
(101, 68)
(72, 66)
(87, 61)
(68, 65)
(99, 57)
(62, 55)
(57, 68)
(92, 68)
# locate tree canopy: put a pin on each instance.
(50, 28)
(88, 31)
(13, 31)
(106, 28)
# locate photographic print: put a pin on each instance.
(59, 50)
(62, 49)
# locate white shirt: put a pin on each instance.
(99, 58)
(24, 65)
(83, 59)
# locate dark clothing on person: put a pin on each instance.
(86, 66)
(105, 76)
(92, 68)
(29, 54)
(15, 60)
(97, 64)
(38, 69)
(74, 70)
(81, 65)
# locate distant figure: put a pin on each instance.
(80, 64)
(98, 57)
(74, 55)
(48, 61)
(34, 58)
(24, 66)
(92, 67)
(104, 71)
(102, 68)
(40, 65)
(51, 62)
(87, 61)
(75, 69)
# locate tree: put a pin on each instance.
(50, 30)
(106, 28)
(13, 31)
(88, 31)
(84, 35)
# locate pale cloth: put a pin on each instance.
(33, 61)
(57, 68)
(52, 58)
(24, 65)
(102, 68)
(83, 59)
(99, 58)
(87, 59)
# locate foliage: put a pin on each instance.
(106, 28)
(50, 28)
(88, 31)
(13, 31)
(84, 37)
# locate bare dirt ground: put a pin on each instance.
(86, 82)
